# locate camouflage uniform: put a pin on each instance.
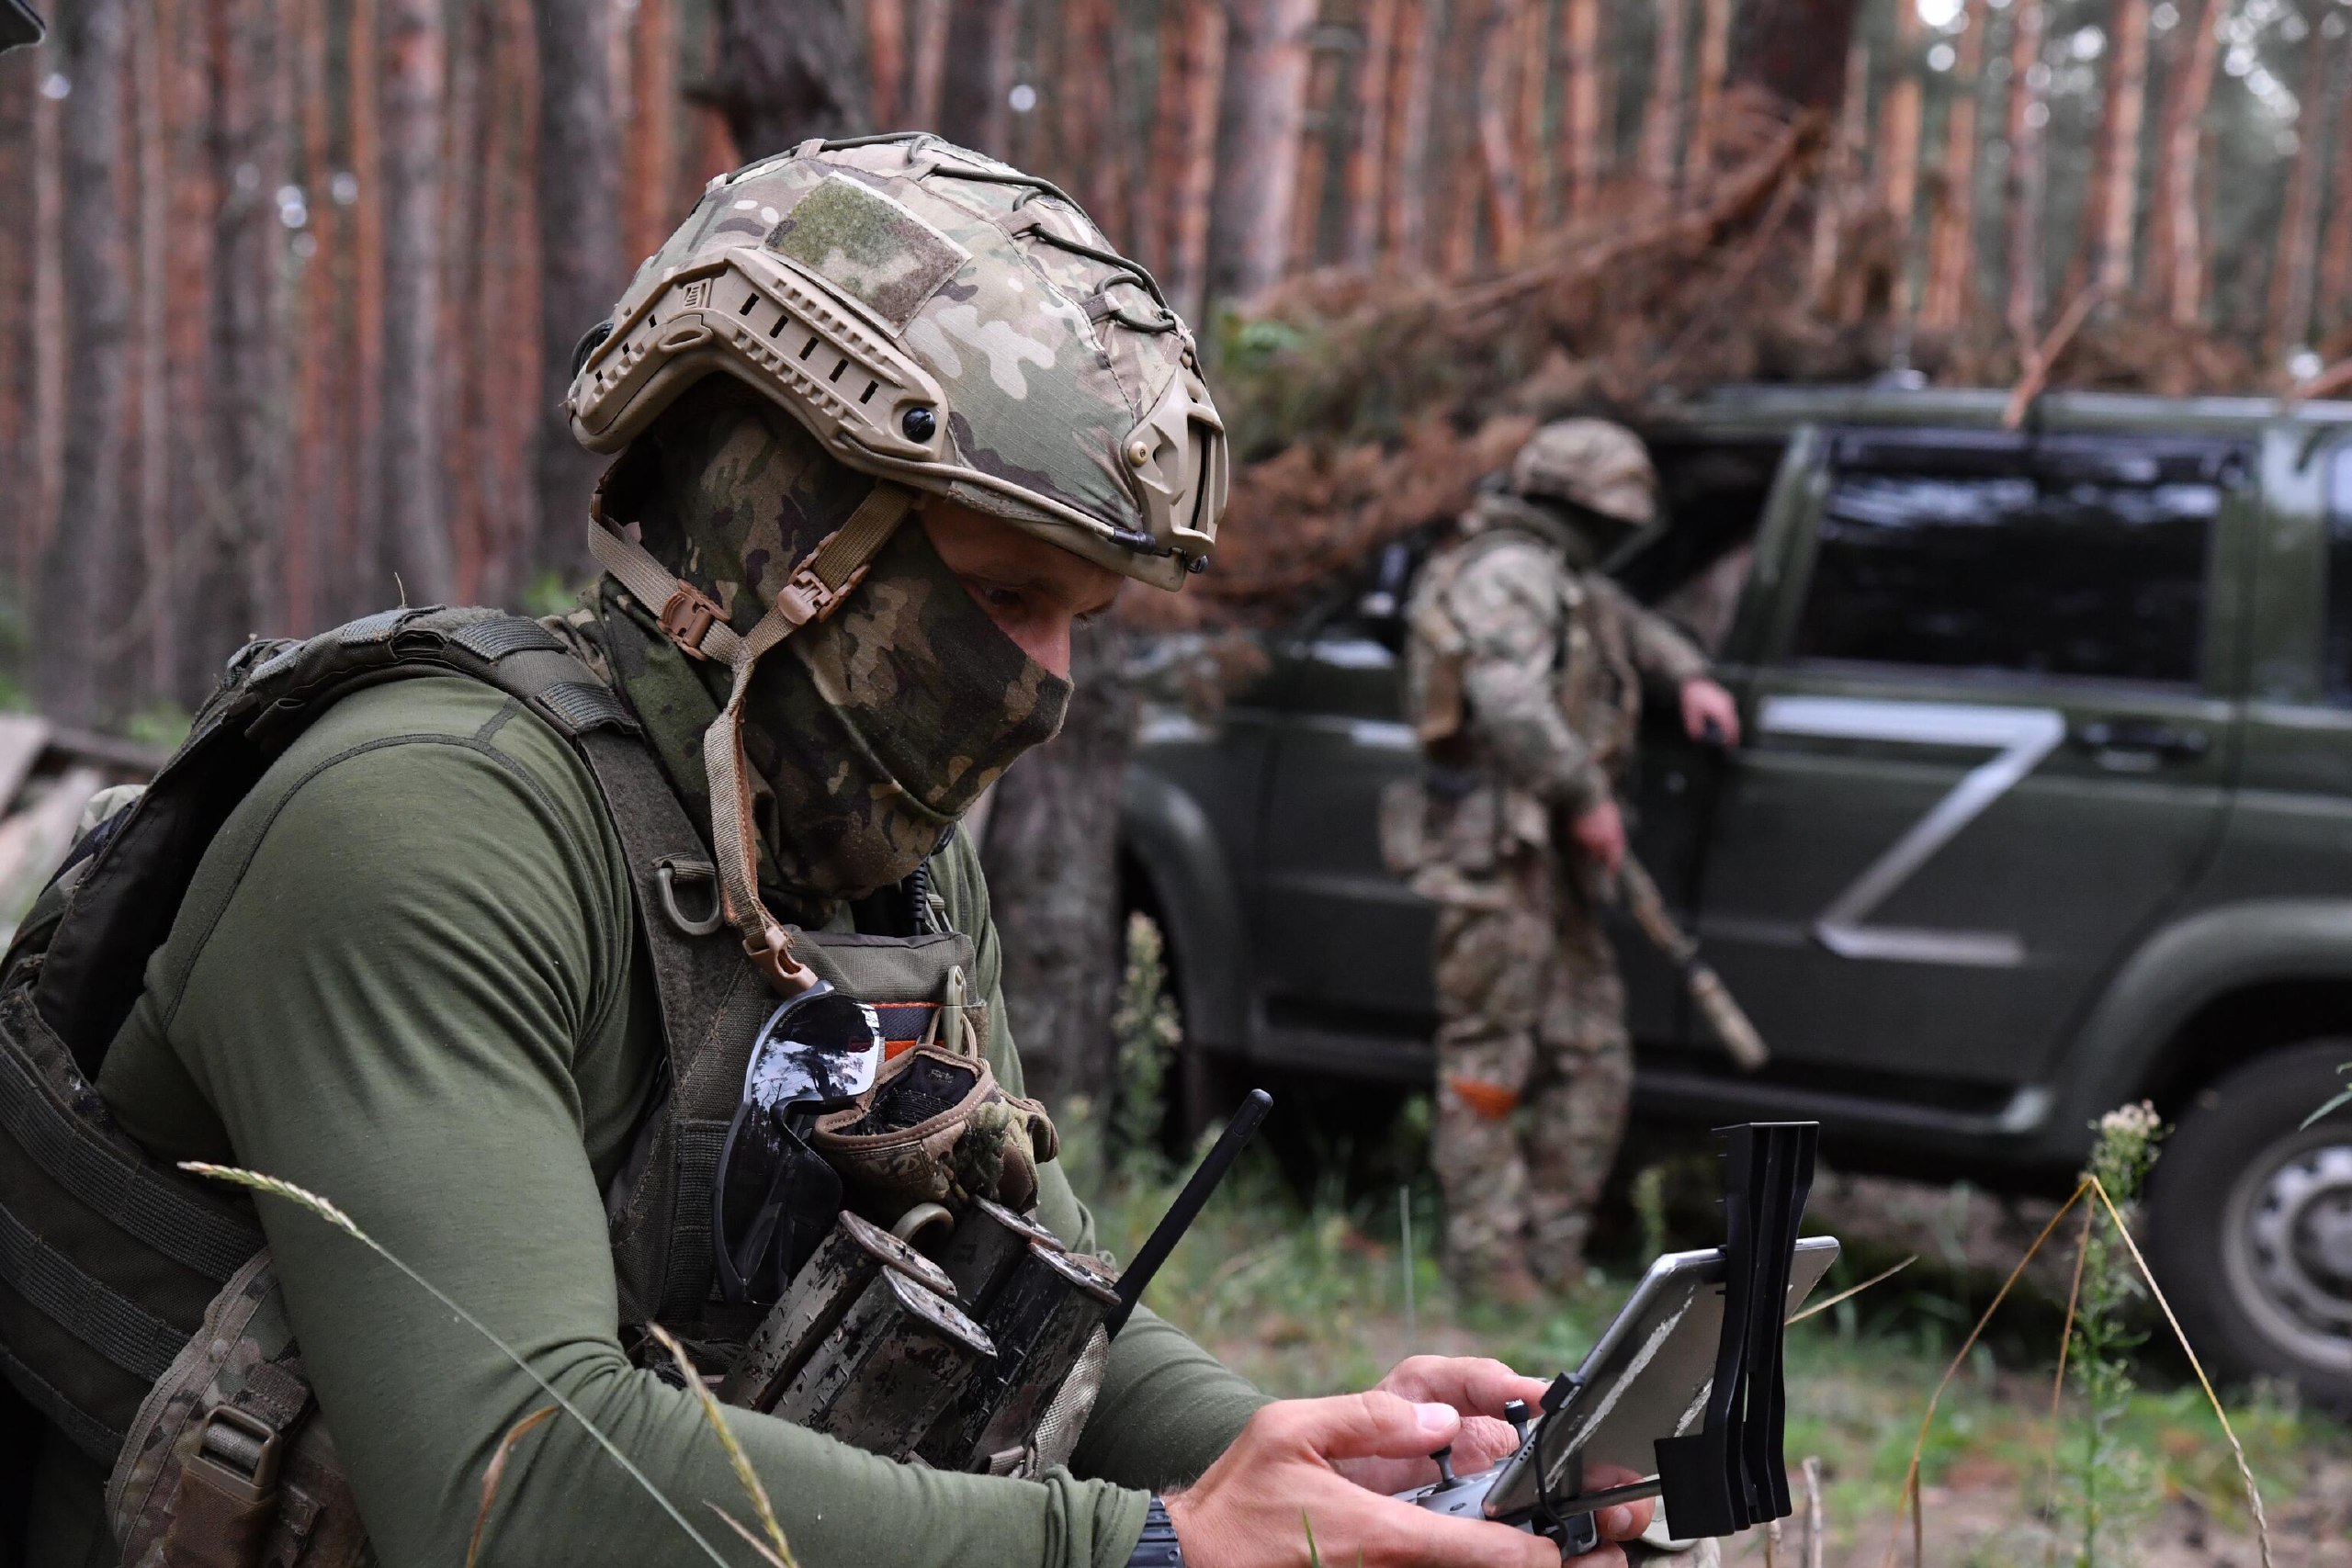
(1525, 677)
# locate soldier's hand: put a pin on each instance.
(1477, 1388)
(1247, 1511)
(1709, 713)
(1600, 834)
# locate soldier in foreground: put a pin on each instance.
(486, 913)
(1523, 678)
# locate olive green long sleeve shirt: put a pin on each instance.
(405, 976)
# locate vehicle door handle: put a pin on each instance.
(2143, 738)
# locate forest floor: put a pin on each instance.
(1310, 1298)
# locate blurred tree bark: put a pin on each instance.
(1369, 134)
(1260, 116)
(784, 71)
(361, 582)
(1707, 96)
(1316, 123)
(2110, 203)
(2029, 169)
(581, 266)
(1834, 198)
(1506, 191)
(2333, 290)
(975, 109)
(417, 532)
(2295, 263)
(1901, 122)
(1410, 105)
(1184, 149)
(649, 153)
(81, 609)
(1585, 124)
(150, 521)
(1051, 855)
(1951, 237)
(886, 52)
(1662, 116)
(926, 65)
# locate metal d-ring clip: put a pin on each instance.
(673, 869)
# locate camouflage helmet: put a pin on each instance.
(940, 320)
(1590, 463)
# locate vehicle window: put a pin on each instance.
(2339, 574)
(2028, 562)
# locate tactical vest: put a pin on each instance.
(1598, 684)
(138, 1310)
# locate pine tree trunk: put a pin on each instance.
(2183, 192)
(1189, 122)
(580, 268)
(926, 65)
(2028, 170)
(152, 45)
(650, 153)
(1835, 197)
(2127, 117)
(982, 39)
(464, 246)
(363, 584)
(1456, 149)
(1706, 109)
(1586, 125)
(1260, 117)
(1314, 160)
(1531, 139)
(19, 92)
(1368, 146)
(1951, 240)
(416, 535)
(1662, 116)
(2333, 289)
(1051, 855)
(81, 607)
(1498, 56)
(1414, 86)
(47, 435)
(308, 512)
(886, 52)
(2295, 261)
(1899, 127)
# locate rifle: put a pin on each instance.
(1714, 1000)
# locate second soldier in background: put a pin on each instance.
(1524, 681)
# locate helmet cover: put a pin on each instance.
(1590, 463)
(938, 319)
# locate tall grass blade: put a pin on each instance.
(1850, 1291)
(496, 1472)
(2237, 1450)
(745, 1476)
(310, 1202)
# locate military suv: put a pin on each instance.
(2045, 805)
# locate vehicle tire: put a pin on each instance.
(2249, 1225)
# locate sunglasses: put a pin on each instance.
(772, 1197)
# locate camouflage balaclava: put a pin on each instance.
(869, 733)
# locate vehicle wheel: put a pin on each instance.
(2250, 1223)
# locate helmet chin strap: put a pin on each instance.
(692, 621)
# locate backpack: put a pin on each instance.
(138, 1314)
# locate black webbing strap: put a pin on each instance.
(157, 1212)
(93, 1437)
(92, 1311)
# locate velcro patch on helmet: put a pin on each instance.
(869, 247)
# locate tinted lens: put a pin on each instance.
(773, 1200)
(822, 1049)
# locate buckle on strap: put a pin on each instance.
(688, 617)
(238, 1452)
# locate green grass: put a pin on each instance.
(1307, 1297)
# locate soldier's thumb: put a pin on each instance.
(1371, 1426)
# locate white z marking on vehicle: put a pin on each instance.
(2022, 738)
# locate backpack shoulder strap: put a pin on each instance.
(127, 888)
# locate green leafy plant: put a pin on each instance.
(2110, 1484)
(1146, 1033)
